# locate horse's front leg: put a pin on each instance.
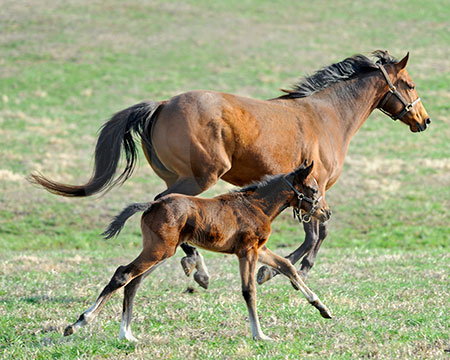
(308, 260)
(266, 273)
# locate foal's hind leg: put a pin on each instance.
(285, 267)
(193, 185)
(128, 299)
(266, 273)
(122, 276)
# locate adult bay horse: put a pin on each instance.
(234, 223)
(198, 137)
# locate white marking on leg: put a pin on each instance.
(125, 332)
(125, 324)
(255, 326)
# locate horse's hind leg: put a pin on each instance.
(128, 299)
(122, 276)
(285, 267)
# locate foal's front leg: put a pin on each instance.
(285, 267)
(247, 267)
(266, 273)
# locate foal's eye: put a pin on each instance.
(412, 86)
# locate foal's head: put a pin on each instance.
(305, 194)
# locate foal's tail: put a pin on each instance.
(119, 221)
(115, 134)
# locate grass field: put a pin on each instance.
(384, 269)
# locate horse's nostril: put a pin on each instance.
(428, 121)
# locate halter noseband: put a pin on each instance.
(393, 91)
(306, 218)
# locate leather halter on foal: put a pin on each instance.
(306, 218)
(393, 91)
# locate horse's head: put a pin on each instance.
(307, 201)
(401, 101)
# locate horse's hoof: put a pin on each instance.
(68, 331)
(188, 263)
(264, 274)
(201, 279)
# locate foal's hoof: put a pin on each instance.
(128, 337)
(68, 331)
(324, 312)
(262, 337)
(202, 279)
(264, 274)
(188, 264)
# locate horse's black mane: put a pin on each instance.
(334, 73)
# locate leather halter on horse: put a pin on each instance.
(306, 218)
(393, 91)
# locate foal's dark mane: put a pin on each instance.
(334, 73)
(266, 180)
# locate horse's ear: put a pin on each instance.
(403, 62)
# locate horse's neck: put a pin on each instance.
(353, 101)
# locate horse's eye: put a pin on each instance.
(412, 86)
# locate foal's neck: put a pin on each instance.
(273, 199)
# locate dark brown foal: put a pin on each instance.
(235, 223)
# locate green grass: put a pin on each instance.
(384, 268)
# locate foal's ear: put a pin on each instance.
(403, 62)
(304, 170)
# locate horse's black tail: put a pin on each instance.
(114, 134)
(119, 221)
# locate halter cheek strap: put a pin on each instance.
(393, 91)
(306, 218)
